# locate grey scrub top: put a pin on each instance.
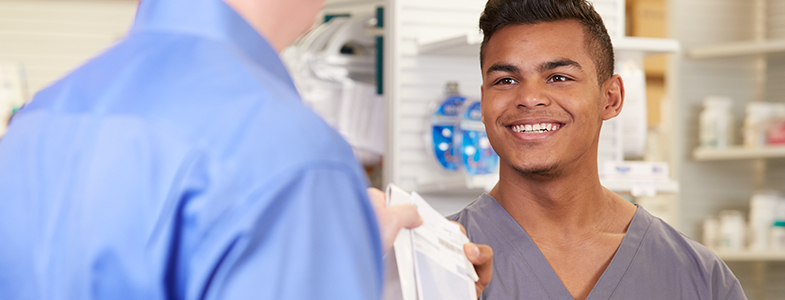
(654, 261)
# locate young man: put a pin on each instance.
(181, 164)
(548, 85)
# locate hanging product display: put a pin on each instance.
(444, 124)
(333, 67)
(477, 156)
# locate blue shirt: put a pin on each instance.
(182, 164)
(654, 261)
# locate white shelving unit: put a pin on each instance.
(642, 187)
(738, 152)
(748, 256)
(732, 48)
(469, 45)
(462, 45)
(743, 48)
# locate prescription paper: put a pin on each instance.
(428, 262)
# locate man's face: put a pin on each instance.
(541, 76)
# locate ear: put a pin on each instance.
(482, 100)
(613, 97)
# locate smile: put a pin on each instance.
(535, 128)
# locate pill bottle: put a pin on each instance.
(732, 230)
(756, 124)
(776, 131)
(777, 236)
(716, 122)
(763, 206)
(777, 231)
(710, 232)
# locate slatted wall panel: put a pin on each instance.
(50, 38)
(417, 81)
(612, 12)
(351, 7)
(775, 19)
(708, 187)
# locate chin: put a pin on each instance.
(542, 172)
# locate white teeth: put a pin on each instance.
(535, 128)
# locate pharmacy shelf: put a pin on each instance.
(641, 187)
(750, 256)
(472, 185)
(481, 184)
(469, 45)
(736, 49)
(738, 152)
(462, 45)
(649, 46)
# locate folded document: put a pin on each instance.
(428, 262)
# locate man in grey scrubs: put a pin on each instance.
(548, 85)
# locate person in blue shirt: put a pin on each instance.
(181, 164)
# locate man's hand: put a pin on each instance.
(392, 219)
(481, 257)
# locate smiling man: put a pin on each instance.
(548, 85)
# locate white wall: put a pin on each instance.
(50, 38)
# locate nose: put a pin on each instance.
(531, 95)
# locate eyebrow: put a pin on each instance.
(502, 68)
(543, 67)
(559, 63)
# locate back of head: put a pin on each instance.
(501, 13)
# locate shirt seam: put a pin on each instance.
(637, 250)
(730, 293)
(516, 248)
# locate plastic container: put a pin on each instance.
(444, 128)
(710, 232)
(756, 124)
(776, 131)
(763, 205)
(777, 231)
(716, 122)
(731, 231)
(777, 236)
(477, 156)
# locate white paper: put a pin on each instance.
(430, 259)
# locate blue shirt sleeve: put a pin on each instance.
(312, 236)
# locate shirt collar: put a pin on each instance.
(212, 19)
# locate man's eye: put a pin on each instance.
(506, 81)
(558, 78)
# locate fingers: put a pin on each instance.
(406, 216)
(481, 256)
(393, 219)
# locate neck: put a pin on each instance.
(566, 205)
(271, 19)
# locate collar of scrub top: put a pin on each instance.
(212, 19)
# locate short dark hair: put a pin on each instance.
(501, 13)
